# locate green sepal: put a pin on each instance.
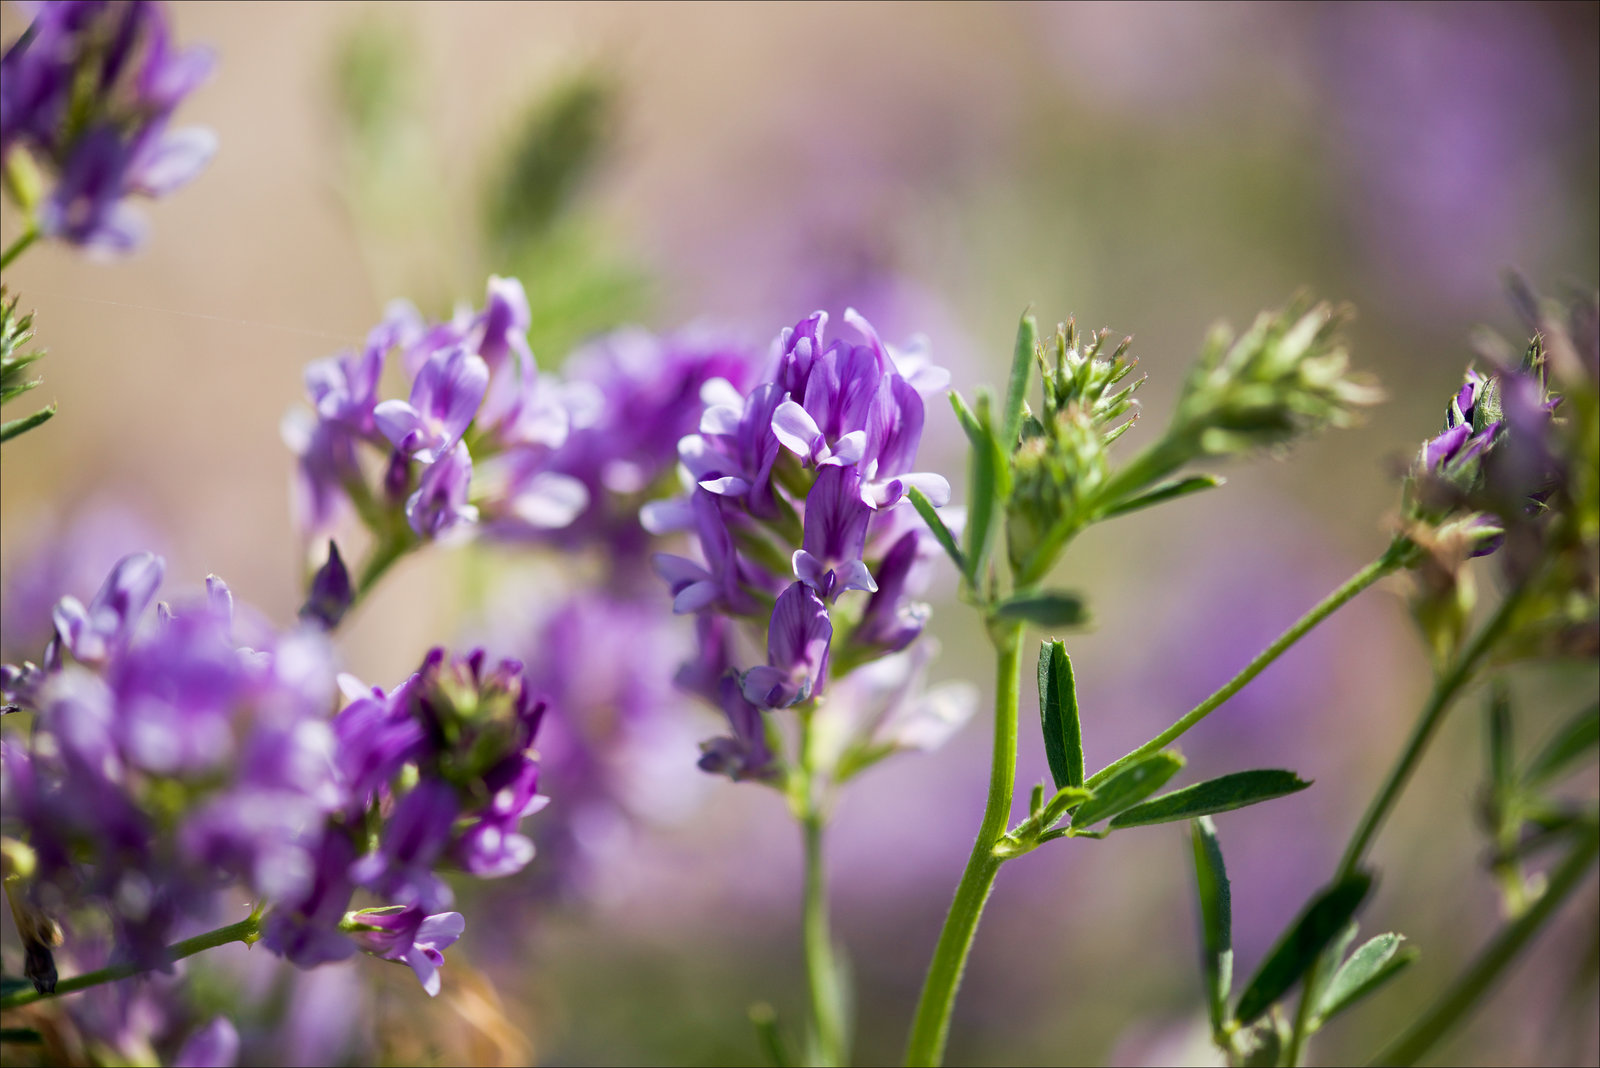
(26, 423)
(1576, 741)
(1162, 492)
(1065, 799)
(941, 533)
(1319, 924)
(1022, 358)
(1127, 788)
(1058, 715)
(1207, 798)
(1047, 608)
(1375, 963)
(1216, 920)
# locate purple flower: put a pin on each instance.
(89, 91)
(798, 641)
(345, 388)
(695, 587)
(829, 560)
(444, 398)
(733, 454)
(491, 847)
(891, 621)
(440, 503)
(98, 633)
(305, 929)
(332, 592)
(417, 834)
(376, 736)
(216, 1045)
(411, 937)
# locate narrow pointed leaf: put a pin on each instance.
(941, 533)
(983, 495)
(1577, 741)
(1368, 968)
(1127, 788)
(1216, 920)
(1310, 934)
(1058, 715)
(1212, 796)
(1049, 609)
(1017, 389)
(1169, 490)
(25, 424)
(1501, 753)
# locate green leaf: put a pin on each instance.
(1575, 742)
(22, 1036)
(1022, 359)
(1212, 796)
(1058, 715)
(1216, 920)
(1162, 492)
(1368, 968)
(25, 424)
(1128, 787)
(1309, 935)
(1049, 609)
(983, 494)
(941, 533)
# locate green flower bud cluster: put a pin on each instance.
(16, 331)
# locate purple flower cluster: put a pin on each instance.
(483, 440)
(89, 91)
(793, 488)
(173, 757)
(1493, 463)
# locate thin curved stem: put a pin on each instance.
(20, 245)
(1448, 1010)
(246, 930)
(1391, 561)
(931, 1026)
(1445, 689)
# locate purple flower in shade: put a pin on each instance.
(829, 560)
(216, 1045)
(695, 587)
(417, 834)
(89, 91)
(445, 396)
(98, 633)
(798, 641)
(409, 936)
(344, 389)
(325, 471)
(305, 929)
(891, 620)
(440, 503)
(332, 593)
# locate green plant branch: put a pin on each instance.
(20, 245)
(246, 930)
(931, 1026)
(1495, 957)
(822, 969)
(1392, 560)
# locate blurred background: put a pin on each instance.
(940, 167)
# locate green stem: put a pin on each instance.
(17, 247)
(1448, 1011)
(822, 970)
(1392, 560)
(388, 549)
(246, 930)
(931, 1026)
(1445, 689)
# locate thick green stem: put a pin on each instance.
(246, 930)
(1445, 689)
(931, 1026)
(1388, 563)
(822, 971)
(1448, 1011)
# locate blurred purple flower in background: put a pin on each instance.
(89, 92)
